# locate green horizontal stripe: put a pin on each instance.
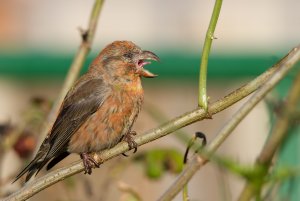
(172, 65)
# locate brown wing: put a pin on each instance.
(79, 104)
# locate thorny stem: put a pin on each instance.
(279, 132)
(202, 99)
(197, 162)
(77, 64)
(186, 119)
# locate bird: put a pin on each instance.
(99, 110)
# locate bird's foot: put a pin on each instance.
(131, 143)
(89, 162)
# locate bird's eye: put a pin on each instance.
(128, 55)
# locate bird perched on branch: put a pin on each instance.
(99, 110)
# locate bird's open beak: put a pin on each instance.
(143, 60)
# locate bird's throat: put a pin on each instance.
(133, 86)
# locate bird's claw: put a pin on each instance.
(89, 162)
(131, 143)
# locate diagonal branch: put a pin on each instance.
(186, 119)
(279, 132)
(197, 162)
(77, 64)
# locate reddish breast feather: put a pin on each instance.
(112, 120)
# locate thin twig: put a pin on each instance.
(77, 64)
(126, 188)
(186, 119)
(200, 135)
(197, 162)
(202, 99)
(279, 132)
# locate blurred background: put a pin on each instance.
(39, 38)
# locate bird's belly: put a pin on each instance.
(105, 128)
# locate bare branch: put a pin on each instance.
(77, 64)
(197, 162)
(279, 132)
(186, 119)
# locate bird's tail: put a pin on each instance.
(35, 165)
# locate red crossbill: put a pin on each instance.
(99, 110)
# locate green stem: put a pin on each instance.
(185, 195)
(202, 99)
(197, 162)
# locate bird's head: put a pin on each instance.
(124, 58)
